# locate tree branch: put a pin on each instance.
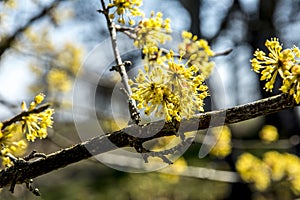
(24, 114)
(121, 138)
(7, 42)
(120, 65)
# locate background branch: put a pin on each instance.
(108, 142)
(7, 42)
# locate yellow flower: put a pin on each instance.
(151, 32)
(170, 83)
(12, 141)
(277, 61)
(31, 126)
(10, 3)
(152, 94)
(291, 82)
(198, 52)
(58, 80)
(70, 56)
(35, 124)
(268, 133)
(187, 84)
(126, 7)
(253, 170)
(276, 163)
(223, 146)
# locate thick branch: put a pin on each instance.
(121, 138)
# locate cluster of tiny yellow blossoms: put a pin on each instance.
(12, 142)
(31, 126)
(70, 56)
(130, 8)
(171, 88)
(151, 32)
(273, 167)
(253, 170)
(282, 62)
(10, 3)
(268, 134)
(198, 51)
(59, 80)
(35, 124)
(152, 93)
(222, 148)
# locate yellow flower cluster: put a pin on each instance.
(153, 94)
(151, 32)
(58, 80)
(253, 170)
(58, 65)
(10, 3)
(35, 124)
(282, 62)
(273, 167)
(32, 125)
(198, 51)
(128, 7)
(12, 141)
(70, 56)
(223, 146)
(268, 133)
(170, 88)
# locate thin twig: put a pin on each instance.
(129, 31)
(223, 53)
(24, 114)
(119, 63)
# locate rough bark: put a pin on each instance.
(24, 170)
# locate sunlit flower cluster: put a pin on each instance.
(12, 141)
(35, 124)
(253, 170)
(222, 135)
(151, 32)
(171, 88)
(273, 167)
(31, 126)
(152, 93)
(126, 7)
(198, 51)
(10, 3)
(70, 56)
(268, 133)
(58, 80)
(282, 62)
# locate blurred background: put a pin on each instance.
(62, 48)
